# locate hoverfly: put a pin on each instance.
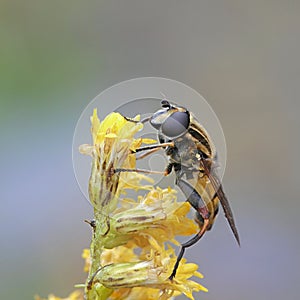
(192, 155)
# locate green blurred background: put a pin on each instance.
(242, 56)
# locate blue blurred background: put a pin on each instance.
(242, 56)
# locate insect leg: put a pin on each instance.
(199, 205)
(147, 153)
(193, 197)
(150, 149)
(162, 145)
(187, 244)
(134, 121)
(139, 171)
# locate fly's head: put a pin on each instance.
(171, 121)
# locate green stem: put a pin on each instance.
(96, 248)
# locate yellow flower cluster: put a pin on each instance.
(146, 275)
(131, 255)
(113, 141)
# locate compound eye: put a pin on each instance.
(157, 126)
(176, 125)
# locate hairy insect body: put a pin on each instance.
(185, 159)
(192, 155)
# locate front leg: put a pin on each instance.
(156, 146)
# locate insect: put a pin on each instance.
(192, 156)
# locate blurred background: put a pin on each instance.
(242, 56)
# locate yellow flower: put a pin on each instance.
(129, 275)
(131, 254)
(113, 141)
(156, 214)
(153, 266)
